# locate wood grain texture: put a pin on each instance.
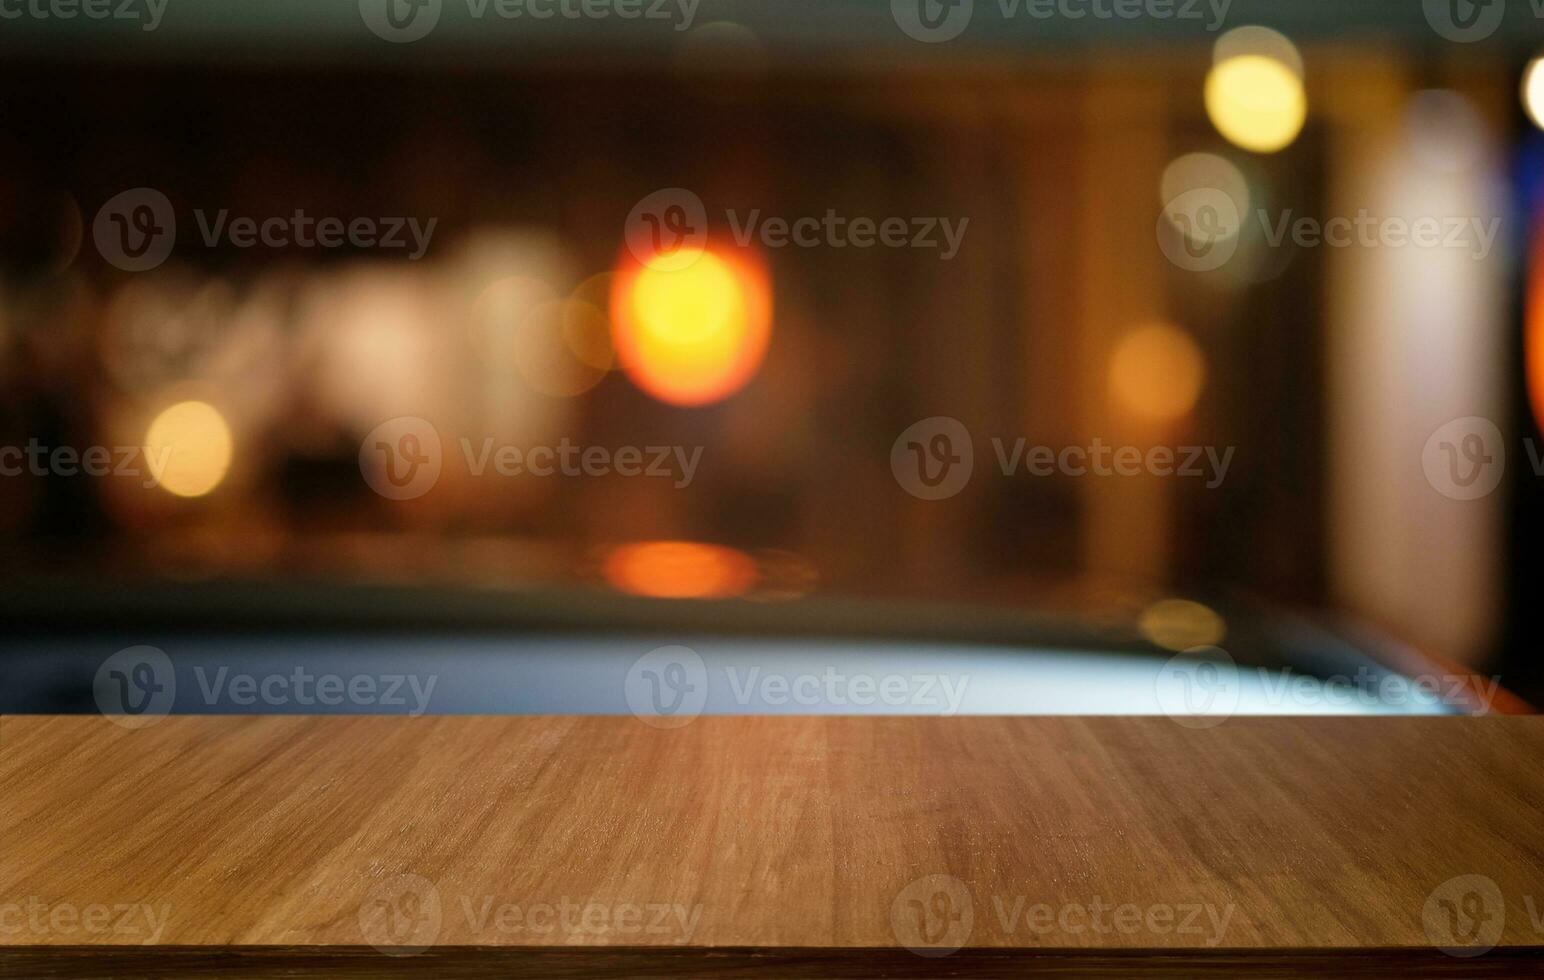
(1277, 837)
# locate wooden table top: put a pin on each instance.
(827, 844)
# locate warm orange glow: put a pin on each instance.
(1533, 338)
(679, 570)
(1180, 625)
(1156, 373)
(694, 333)
(188, 448)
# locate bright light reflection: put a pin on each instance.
(694, 333)
(1157, 372)
(679, 570)
(1533, 91)
(188, 448)
(1179, 624)
(1256, 102)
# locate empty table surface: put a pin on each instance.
(828, 845)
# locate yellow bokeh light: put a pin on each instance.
(1533, 91)
(188, 448)
(1157, 373)
(1179, 625)
(694, 333)
(679, 570)
(1256, 102)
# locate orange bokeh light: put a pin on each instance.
(679, 570)
(1157, 373)
(1533, 336)
(694, 332)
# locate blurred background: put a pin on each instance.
(1124, 183)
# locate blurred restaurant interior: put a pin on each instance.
(1065, 313)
